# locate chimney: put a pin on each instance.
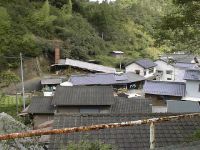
(57, 55)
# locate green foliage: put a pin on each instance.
(180, 29)
(8, 105)
(139, 28)
(86, 145)
(8, 77)
(5, 21)
(196, 135)
(42, 18)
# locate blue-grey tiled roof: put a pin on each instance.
(184, 58)
(192, 75)
(164, 88)
(146, 63)
(105, 78)
(184, 65)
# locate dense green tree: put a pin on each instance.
(180, 29)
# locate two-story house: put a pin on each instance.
(142, 67)
(167, 70)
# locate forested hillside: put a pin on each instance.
(85, 30)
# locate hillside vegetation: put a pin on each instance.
(85, 30)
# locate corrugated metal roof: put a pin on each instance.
(192, 75)
(41, 105)
(126, 138)
(174, 106)
(83, 95)
(51, 81)
(164, 88)
(89, 66)
(105, 79)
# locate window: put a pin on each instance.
(145, 72)
(169, 78)
(159, 71)
(151, 70)
(89, 110)
(169, 72)
(137, 71)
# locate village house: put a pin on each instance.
(117, 54)
(192, 78)
(41, 110)
(126, 138)
(161, 91)
(142, 67)
(84, 99)
(167, 70)
(49, 85)
(180, 57)
(127, 80)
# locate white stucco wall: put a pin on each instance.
(179, 74)
(163, 66)
(192, 89)
(133, 67)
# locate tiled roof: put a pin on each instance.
(89, 66)
(184, 58)
(146, 63)
(105, 79)
(164, 88)
(83, 95)
(192, 75)
(41, 105)
(51, 81)
(174, 106)
(131, 105)
(194, 145)
(125, 138)
(184, 65)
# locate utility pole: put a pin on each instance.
(22, 79)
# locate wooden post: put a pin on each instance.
(17, 103)
(152, 135)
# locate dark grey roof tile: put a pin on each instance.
(135, 137)
(146, 63)
(83, 95)
(41, 105)
(131, 106)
